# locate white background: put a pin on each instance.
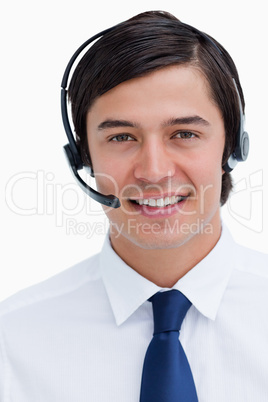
(37, 39)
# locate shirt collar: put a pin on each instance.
(127, 290)
(204, 285)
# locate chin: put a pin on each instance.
(160, 244)
(158, 241)
(168, 235)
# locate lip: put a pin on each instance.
(155, 212)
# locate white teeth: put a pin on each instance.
(160, 202)
(152, 203)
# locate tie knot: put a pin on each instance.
(169, 309)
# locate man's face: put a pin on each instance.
(156, 142)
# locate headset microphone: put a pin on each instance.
(108, 200)
(71, 151)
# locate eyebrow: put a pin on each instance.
(110, 123)
(186, 120)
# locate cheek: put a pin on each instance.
(110, 177)
(206, 176)
(209, 174)
(104, 169)
(111, 174)
(106, 183)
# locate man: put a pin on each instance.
(156, 107)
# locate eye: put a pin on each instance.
(185, 135)
(121, 138)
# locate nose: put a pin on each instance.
(153, 163)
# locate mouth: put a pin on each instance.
(159, 207)
(159, 202)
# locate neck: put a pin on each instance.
(165, 266)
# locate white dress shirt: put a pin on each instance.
(81, 336)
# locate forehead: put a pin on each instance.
(162, 93)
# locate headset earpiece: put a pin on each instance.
(241, 150)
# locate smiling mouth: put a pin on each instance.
(159, 202)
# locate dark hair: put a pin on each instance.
(145, 43)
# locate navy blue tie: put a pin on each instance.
(167, 376)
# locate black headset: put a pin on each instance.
(73, 155)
